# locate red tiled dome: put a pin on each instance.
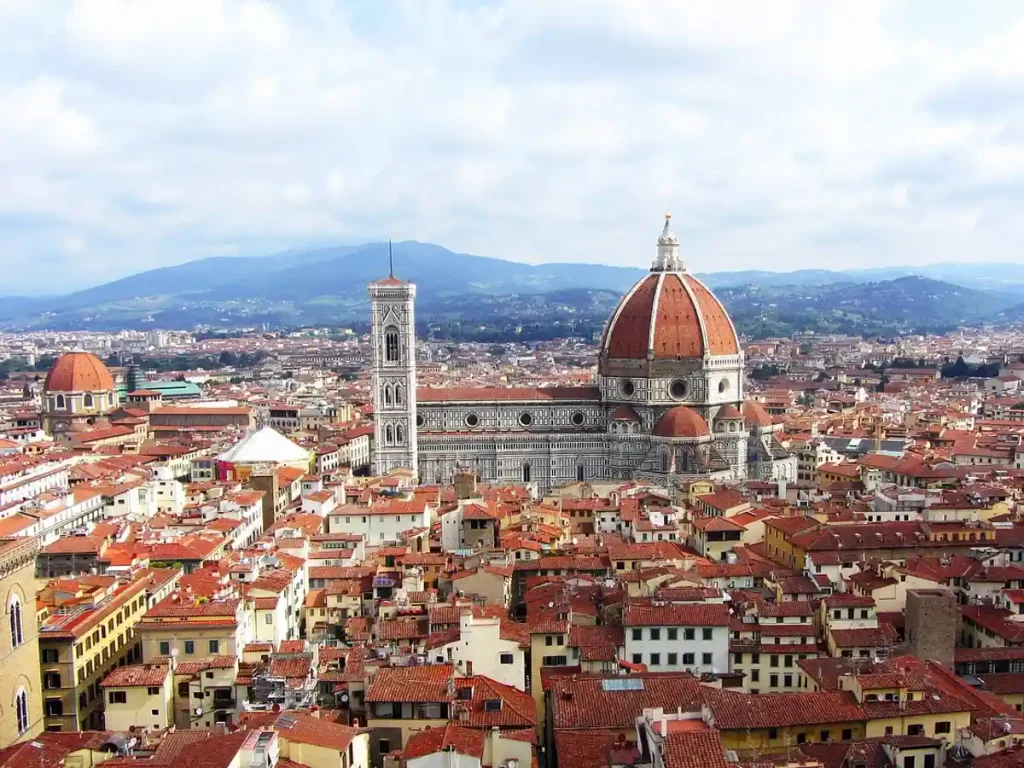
(729, 411)
(78, 372)
(681, 422)
(755, 414)
(687, 320)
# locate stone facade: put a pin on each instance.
(932, 625)
(19, 645)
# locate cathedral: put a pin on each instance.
(667, 406)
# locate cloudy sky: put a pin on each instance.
(781, 134)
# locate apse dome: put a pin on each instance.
(681, 423)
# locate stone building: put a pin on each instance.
(21, 703)
(667, 405)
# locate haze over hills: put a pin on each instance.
(329, 285)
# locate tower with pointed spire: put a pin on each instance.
(393, 337)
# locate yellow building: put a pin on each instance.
(89, 632)
(193, 629)
(548, 648)
(904, 704)
(777, 533)
(139, 695)
(21, 706)
(316, 743)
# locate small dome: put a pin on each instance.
(682, 422)
(756, 415)
(78, 372)
(624, 413)
(727, 412)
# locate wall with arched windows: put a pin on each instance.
(21, 706)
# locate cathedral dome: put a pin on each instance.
(681, 422)
(669, 315)
(78, 372)
(756, 415)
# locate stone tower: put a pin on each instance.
(933, 620)
(393, 336)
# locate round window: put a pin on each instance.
(723, 385)
(472, 420)
(678, 389)
(525, 419)
(420, 421)
(577, 419)
(627, 388)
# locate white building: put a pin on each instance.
(485, 646)
(690, 637)
(382, 523)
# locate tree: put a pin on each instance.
(228, 358)
(958, 370)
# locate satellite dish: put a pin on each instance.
(174, 653)
(344, 698)
(198, 711)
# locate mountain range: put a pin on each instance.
(328, 285)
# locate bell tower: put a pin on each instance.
(393, 339)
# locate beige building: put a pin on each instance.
(21, 706)
(193, 629)
(140, 696)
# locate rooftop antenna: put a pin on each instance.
(391, 259)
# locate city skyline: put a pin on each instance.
(780, 137)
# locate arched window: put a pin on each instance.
(389, 435)
(579, 473)
(399, 435)
(387, 394)
(399, 394)
(21, 708)
(60, 402)
(666, 461)
(17, 632)
(526, 473)
(391, 345)
(87, 401)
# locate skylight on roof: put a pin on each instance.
(623, 684)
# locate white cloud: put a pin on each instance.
(787, 134)
(36, 114)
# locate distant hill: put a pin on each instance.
(906, 304)
(328, 285)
